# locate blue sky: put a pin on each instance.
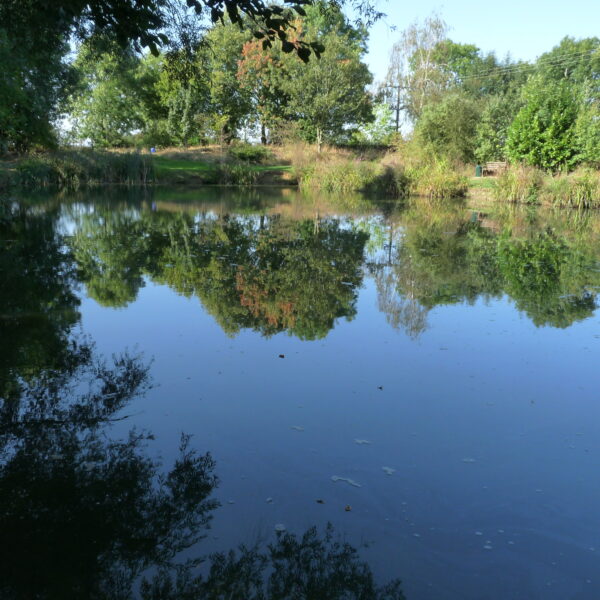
(525, 28)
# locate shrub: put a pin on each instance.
(249, 153)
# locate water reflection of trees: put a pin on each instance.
(549, 273)
(87, 516)
(38, 306)
(271, 274)
(264, 273)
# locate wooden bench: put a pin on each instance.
(493, 168)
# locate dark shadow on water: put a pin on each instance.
(84, 515)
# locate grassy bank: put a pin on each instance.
(398, 174)
(242, 165)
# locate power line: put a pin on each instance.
(514, 68)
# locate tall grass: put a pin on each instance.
(235, 174)
(579, 190)
(437, 181)
(519, 184)
(344, 175)
(73, 169)
(529, 185)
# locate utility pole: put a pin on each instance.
(395, 104)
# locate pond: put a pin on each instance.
(421, 377)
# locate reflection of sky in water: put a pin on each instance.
(489, 423)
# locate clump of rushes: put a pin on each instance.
(437, 181)
(236, 174)
(343, 175)
(529, 185)
(519, 184)
(579, 190)
(84, 167)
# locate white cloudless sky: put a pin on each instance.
(523, 28)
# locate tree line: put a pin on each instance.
(468, 106)
(164, 74)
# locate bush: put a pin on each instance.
(249, 153)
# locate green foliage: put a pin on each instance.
(33, 80)
(587, 130)
(543, 132)
(448, 127)
(105, 105)
(249, 153)
(381, 130)
(327, 94)
(492, 127)
(576, 61)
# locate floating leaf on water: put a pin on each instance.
(297, 428)
(351, 482)
(388, 470)
(269, 500)
(362, 442)
(347, 508)
(282, 356)
(319, 501)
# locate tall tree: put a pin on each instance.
(328, 95)
(106, 104)
(543, 133)
(413, 77)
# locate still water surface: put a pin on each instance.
(424, 379)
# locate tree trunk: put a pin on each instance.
(319, 139)
(263, 134)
